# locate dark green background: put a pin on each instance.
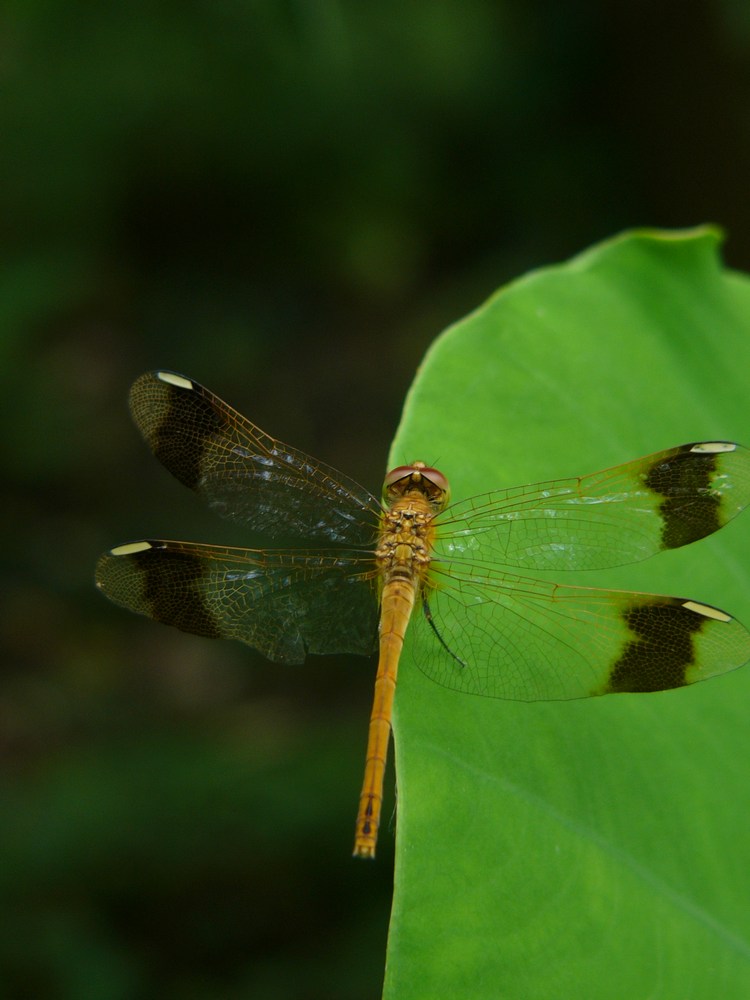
(287, 202)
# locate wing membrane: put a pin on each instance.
(493, 633)
(609, 518)
(507, 636)
(283, 603)
(243, 473)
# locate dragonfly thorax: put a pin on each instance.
(406, 538)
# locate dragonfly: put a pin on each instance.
(446, 570)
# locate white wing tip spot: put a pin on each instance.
(174, 379)
(707, 611)
(714, 447)
(130, 548)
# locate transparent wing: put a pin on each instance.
(241, 472)
(610, 518)
(507, 636)
(285, 604)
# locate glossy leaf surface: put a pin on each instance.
(590, 848)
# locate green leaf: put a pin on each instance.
(594, 848)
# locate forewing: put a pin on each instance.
(506, 636)
(243, 473)
(283, 603)
(609, 518)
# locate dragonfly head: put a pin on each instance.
(417, 479)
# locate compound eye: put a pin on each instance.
(436, 477)
(419, 471)
(400, 472)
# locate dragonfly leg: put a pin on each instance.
(441, 640)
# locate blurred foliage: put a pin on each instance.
(287, 201)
